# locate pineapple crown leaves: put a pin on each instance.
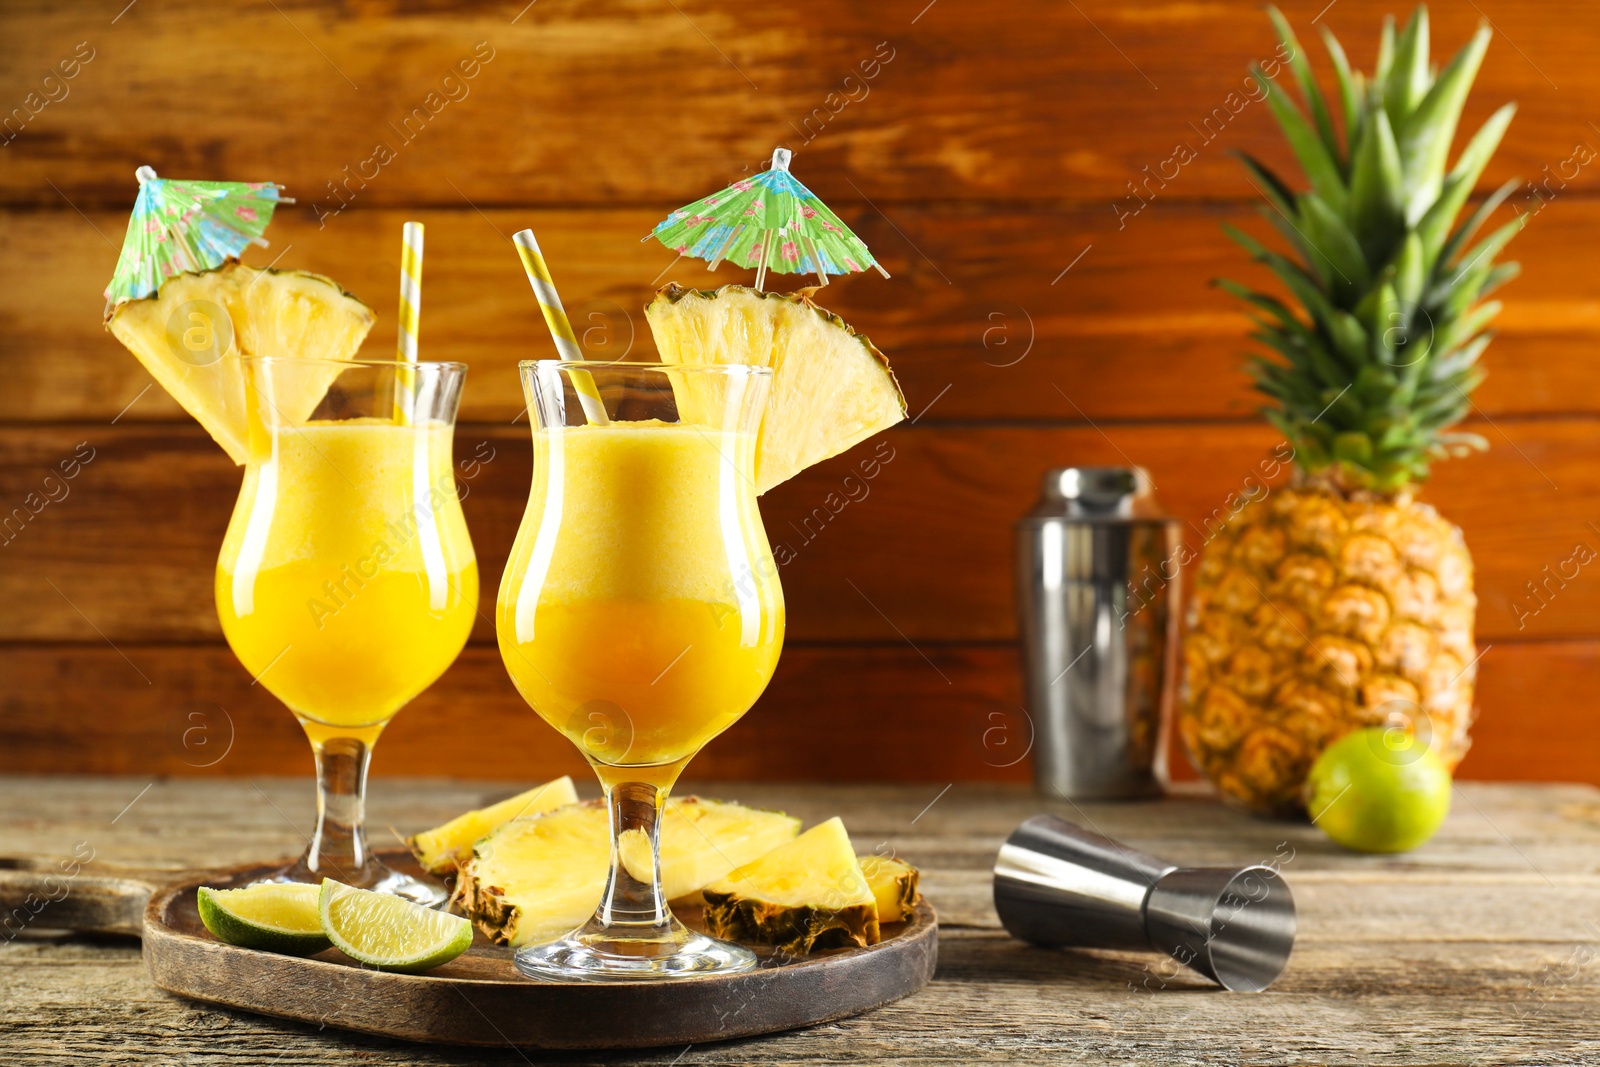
(1380, 359)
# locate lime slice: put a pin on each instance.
(387, 932)
(278, 917)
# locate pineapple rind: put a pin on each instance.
(804, 895)
(793, 930)
(520, 889)
(1313, 614)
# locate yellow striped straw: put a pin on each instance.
(555, 316)
(410, 292)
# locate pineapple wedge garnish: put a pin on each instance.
(179, 337)
(894, 886)
(831, 388)
(807, 894)
(537, 878)
(444, 848)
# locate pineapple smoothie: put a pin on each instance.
(640, 612)
(347, 582)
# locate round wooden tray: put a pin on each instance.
(479, 999)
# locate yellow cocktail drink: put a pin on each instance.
(347, 583)
(641, 613)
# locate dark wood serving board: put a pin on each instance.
(477, 999)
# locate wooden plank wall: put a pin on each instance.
(1039, 314)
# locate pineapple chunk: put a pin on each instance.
(537, 878)
(444, 848)
(178, 336)
(894, 886)
(804, 895)
(830, 387)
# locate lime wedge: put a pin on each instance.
(387, 932)
(278, 917)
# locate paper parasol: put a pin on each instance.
(180, 226)
(769, 222)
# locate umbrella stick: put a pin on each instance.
(675, 260)
(816, 260)
(555, 317)
(722, 250)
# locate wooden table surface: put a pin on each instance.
(1477, 949)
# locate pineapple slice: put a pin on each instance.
(830, 387)
(444, 848)
(179, 337)
(894, 886)
(535, 879)
(804, 895)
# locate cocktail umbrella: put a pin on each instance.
(769, 222)
(181, 226)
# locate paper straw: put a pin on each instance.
(410, 292)
(555, 316)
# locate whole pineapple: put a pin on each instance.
(1338, 601)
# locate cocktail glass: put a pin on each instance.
(347, 582)
(640, 615)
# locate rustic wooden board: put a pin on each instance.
(1032, 99)
(956, 716)
(924, 553)
(479, 999)
(988, 325)
(1477, 948)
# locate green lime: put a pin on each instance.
(1378, 790)
(276, 916)
(389, 933)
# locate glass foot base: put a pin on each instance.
(374, 876)
(581, 957)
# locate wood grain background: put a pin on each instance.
(1039, 314)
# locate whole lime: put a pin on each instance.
(1379, 789)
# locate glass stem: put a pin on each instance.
(339, 847)
(632, 906)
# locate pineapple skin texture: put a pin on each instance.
(794, 930)
(1315, 613)
(504, 916)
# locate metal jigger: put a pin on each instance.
(1058, 885)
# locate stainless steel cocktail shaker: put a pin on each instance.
(1097, 597)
